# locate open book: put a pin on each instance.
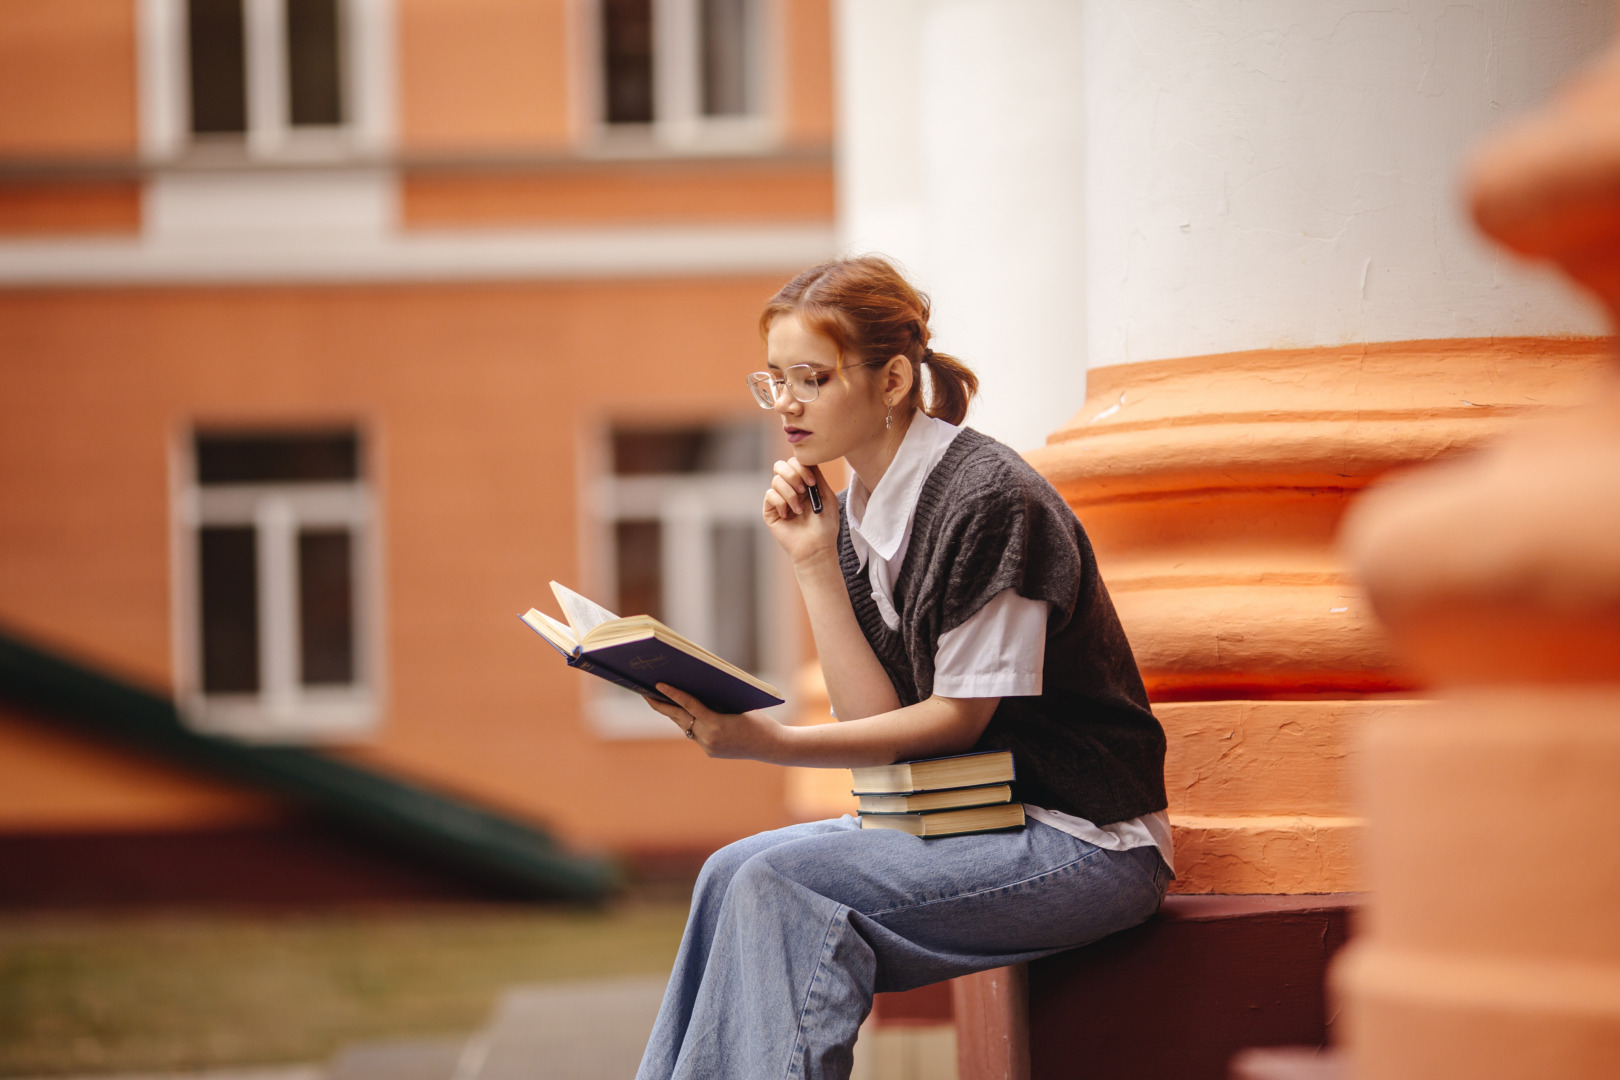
(638, 652)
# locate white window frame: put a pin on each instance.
(367, 35)
(687, 506)
(284, 710)
(679, 125)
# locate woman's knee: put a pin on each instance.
(778, 854)
(721, 867)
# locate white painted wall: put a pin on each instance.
(1103, 181)
(960, 156)
(1285, 172)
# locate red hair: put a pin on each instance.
(872, 313)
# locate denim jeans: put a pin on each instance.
(791, 932)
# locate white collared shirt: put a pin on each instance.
(1000, 651)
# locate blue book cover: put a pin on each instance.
(639, 652)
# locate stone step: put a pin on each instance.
(566, 1031)
(403, 1059)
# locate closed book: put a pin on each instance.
(951, 822)
(639, 652)
(927, 801)
(931, 774)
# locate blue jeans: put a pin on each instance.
(791, 932)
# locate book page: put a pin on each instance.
(560, 636)
(583, 615)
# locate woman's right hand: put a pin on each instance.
(807, 537)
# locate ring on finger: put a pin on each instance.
(689, 728)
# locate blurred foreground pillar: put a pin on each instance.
(1492, 950)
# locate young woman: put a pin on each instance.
(956, 606)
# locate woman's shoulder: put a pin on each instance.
(986, 471)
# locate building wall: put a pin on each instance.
(67, 78)
(477, 399)
(553, 287)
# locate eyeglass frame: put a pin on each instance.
(777, 383)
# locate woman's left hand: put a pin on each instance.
(721, 735)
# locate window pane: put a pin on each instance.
(627, 61)
(721, 448)
(326, 606)
(218, 67)
(736, 596)
(259, 459)
(230, 609)
(725, 57)
(314, 65)
(640, 547)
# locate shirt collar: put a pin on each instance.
(880, 518)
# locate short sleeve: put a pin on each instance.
(999, 652)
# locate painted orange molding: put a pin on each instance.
(1212, 487)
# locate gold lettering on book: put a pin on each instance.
(648, 663)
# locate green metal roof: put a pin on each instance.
(447, 831)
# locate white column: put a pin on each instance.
(960, 156)
(1285, 173)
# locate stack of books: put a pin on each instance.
(948, 796)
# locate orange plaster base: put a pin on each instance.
(1281, 854)
(1212, 486)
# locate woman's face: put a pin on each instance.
(847, 414)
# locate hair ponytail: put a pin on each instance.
(951, 385)
(871, 312)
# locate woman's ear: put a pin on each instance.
(897, 379)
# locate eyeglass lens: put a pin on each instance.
(800, 380)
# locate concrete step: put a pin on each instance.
(405, 1059)
(566, 1031)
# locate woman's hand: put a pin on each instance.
(807, 537)
(722, 735)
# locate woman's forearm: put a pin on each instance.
(857, 685)
(930, 728)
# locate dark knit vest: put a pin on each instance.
(986, 521)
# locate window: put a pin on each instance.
(682, 541)
(690, 72)
(274, 78)
(277, 610)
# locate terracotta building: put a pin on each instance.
(331, 330)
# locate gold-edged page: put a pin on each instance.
(550, 629)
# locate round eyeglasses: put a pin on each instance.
(800, 380)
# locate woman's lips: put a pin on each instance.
(796, 434)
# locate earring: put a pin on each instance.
(888, 416)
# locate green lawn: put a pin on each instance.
(126, 993)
